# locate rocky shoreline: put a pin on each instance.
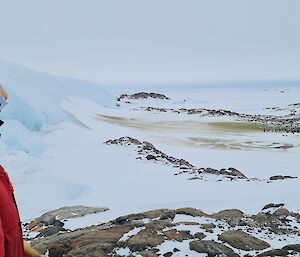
(287, 123)
(180, 232)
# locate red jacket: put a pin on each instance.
(11, 240)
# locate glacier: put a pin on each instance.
(34, 100)
(34, 97)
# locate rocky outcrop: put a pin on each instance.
(147, 238)
(191, 212)
(52, 220)
(274, 253)
(147, 151)
(288, 250)
(92, 250)
(225, 233)
(212, 248)
(281, 177)
(293, 247)
(281, 212)
(229, 214)
(142, 95)
(200, 111)
(241, 240)
(287, 123)
(272, 205)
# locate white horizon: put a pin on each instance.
(139, 42)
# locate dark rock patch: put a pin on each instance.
(142, 95)
(294, 247)
(280, 177)
(150, 153)
(272, 205)
(212, 248)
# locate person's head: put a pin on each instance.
(3, 93)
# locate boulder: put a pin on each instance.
(228, 214)
(274, 253)
(167, 215)
(49, 218)
(158, 225)
(149, 253)
(93, 250)
(261, 217)
(61, 244)
(199, 235)
(208, 226)
(294, 247)
(179, 236)
(212, 248)
(144, 239)
(243, 241)
(280, 177)
(50, 231)
(282, 212)
(191, 212)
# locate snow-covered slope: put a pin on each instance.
(35, 96)
(34, 100)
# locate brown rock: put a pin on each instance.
(149, 253)
(66, 242)
(173, 234)
(228, 214)
(243, 241)
(200, 235)
(150, 214)
(274, 253)
(208, 226)
(159, 225)
(191, 212)
(93, 250)
(212, 248)
(281, 212)
(261, 217)
(144, 239)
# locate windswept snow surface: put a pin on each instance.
(53, 148)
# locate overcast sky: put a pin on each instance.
(154, 41)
